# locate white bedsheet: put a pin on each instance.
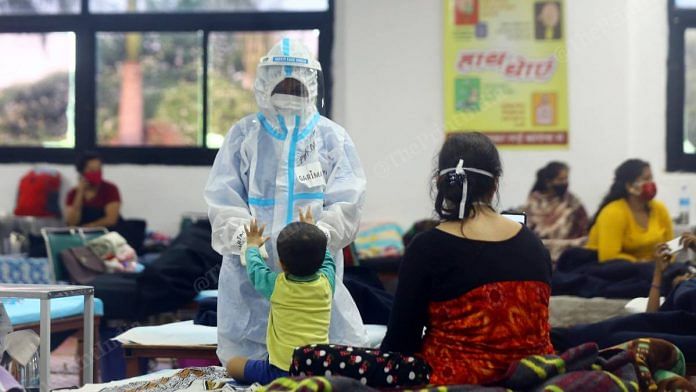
(146, 377)
(638, 305)
(565, 311)
(375, 334)
(182, 333)
(185, 333)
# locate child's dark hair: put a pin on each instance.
(301, 248)
(477, 151)
(546, 174)
(84, 158)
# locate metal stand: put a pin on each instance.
(45, 293)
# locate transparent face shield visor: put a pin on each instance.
(301, 90)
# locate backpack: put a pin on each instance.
(38, 194)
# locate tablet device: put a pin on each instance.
(519, 217)
(674, 246)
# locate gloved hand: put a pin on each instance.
(242, 256)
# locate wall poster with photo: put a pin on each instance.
(506, 71)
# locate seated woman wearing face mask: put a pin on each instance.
(630, 223)
(554, 213)
(94, 202)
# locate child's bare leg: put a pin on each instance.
(235, 368)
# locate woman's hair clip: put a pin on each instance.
(454, 178)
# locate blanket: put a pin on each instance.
(638, 365)
(683, 297)
(212, 378)
(579, 273)
(675, 326)
(675, 322)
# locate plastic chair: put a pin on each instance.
(62, 238)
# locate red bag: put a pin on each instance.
(38, 194)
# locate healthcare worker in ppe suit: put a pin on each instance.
(273, 163)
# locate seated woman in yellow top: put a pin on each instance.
(629, 223)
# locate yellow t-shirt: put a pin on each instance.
(300, 315)
(300, 306)
(617, 235)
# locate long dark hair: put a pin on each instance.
(477, 151)
(546, 174)
(627, 172)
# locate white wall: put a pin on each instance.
(390, 60)
(648, 34)
(391, 72)
(388, 94)
(160, 194)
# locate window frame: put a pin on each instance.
(86, 25)
(679, 20)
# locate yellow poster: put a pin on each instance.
(506, 71)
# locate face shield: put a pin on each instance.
(290, 85)
(300, 93)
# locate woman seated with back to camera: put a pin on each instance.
(479, 282)
(630, 224)
(554, 213)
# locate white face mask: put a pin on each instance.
(289, 103)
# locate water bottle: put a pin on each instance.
(684, 206)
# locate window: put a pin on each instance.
(231, 78)
(681, 87)
(158, 77)
(34, 7)
(686, 3)
(689, 131)
(37, 90)
(113, 6)
(140, 81)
